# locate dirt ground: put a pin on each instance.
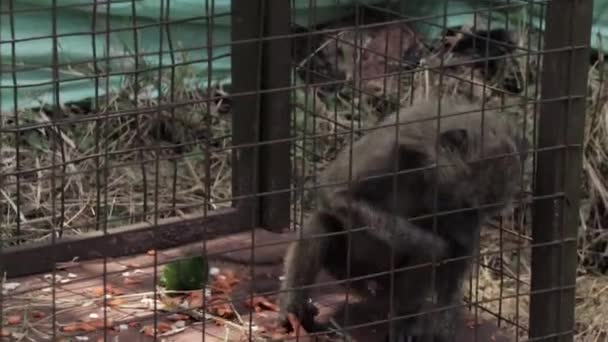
(78, 298)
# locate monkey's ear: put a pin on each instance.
(454, 139)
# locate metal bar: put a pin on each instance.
(132, 239)
(561, 123)
(262, 116)
(246, 19)
(275, 121)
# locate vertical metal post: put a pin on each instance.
(245, 60)
(561, 129)
(275, 123)
(264, 116)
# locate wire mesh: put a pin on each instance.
(160, 205)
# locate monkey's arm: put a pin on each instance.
(394, 230)
(303, 262)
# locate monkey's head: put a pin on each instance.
(480, 161)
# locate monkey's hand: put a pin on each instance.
(305, 312)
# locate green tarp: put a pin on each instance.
(27, 27)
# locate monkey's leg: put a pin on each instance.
(409, 297)
(445, 322)
(303, 262)
(464, 238)
(448, 287)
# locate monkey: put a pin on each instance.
(485, 46)
(472, 160)
(490, 43)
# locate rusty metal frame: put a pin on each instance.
(262, 116)
(561, 123)
(128, 240)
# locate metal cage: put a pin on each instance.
(137, 133)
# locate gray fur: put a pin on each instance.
(461, 180)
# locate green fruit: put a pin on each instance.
(186, 275)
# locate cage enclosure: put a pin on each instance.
(159, 157)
